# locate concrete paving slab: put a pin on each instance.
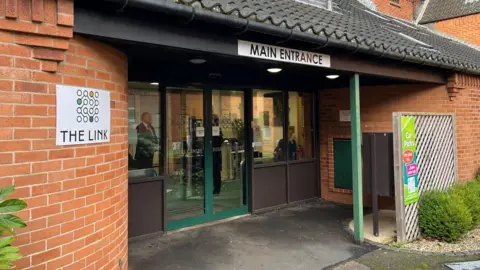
(472, 265)
(387, 227)
(309, 236)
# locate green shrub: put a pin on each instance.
(470, 194)
(443, 216)
(9, 253)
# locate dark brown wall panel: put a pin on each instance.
(303, 181)
(145, 208)
(269, 187)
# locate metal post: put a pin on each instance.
(356, 157)
(373, 164)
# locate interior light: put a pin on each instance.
(333, 77)
(197, 61)
(274, 70)
(154, 83)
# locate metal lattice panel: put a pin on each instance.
(437, 166)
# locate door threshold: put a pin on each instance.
(207, 224)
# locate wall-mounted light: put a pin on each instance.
(274, 70)
(333, 76)
(154, 83)
(197, 61)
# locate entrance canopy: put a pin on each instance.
(153, 63)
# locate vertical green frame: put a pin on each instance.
(356, 157)
(210, 215)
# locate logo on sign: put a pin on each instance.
(87, 109)
(408, 156)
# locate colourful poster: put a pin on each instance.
(409, 160)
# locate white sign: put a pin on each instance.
(257, 144)
(200, 132)
(83, 115)
(345, 116)
(264, 51)
(215, 131)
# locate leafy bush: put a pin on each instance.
(444, 216)
(470, 194)
(9, 253)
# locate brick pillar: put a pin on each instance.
(77, 195)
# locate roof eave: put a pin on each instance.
(191, 14)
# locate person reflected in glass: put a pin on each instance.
(217, 140)
(292, 147)
(147, 142)
(279, 153)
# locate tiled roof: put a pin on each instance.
(351, 22)
(437, 10)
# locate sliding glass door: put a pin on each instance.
(206, 158)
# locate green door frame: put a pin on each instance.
(210, 214)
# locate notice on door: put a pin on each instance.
(200, 132)
(409, 160)
(215, 131)
(83, 115)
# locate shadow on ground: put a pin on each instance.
(309, 236)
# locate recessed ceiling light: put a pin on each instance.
(197, 61)
(333, 77)
(274, 70)
(154, 83)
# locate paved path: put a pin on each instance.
(392, 260)
(309, 236)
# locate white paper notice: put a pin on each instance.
(344, 116)
(83, 115)
(215, 131)
(200, 131)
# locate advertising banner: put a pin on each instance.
(409, 160)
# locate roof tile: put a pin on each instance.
(353, 22)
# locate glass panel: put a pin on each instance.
(300, 129)
(228, 142)
(268, 140)
(185, 150)
(144, 158)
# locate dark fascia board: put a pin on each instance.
(122, 27)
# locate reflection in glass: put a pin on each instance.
(268, 142)
(185, 154)
(228, 142)
(300, 129)
(144, 158)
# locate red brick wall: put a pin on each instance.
(377, 105)
(465, 28)
(77, 195)
(403, 10)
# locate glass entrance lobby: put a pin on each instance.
(217, 139)
(196, 141)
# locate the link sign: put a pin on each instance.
(409, 160)
(83, 115)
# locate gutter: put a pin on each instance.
(243, 25)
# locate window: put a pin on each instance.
(300, 127)
(144, 122)
(268, 127)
